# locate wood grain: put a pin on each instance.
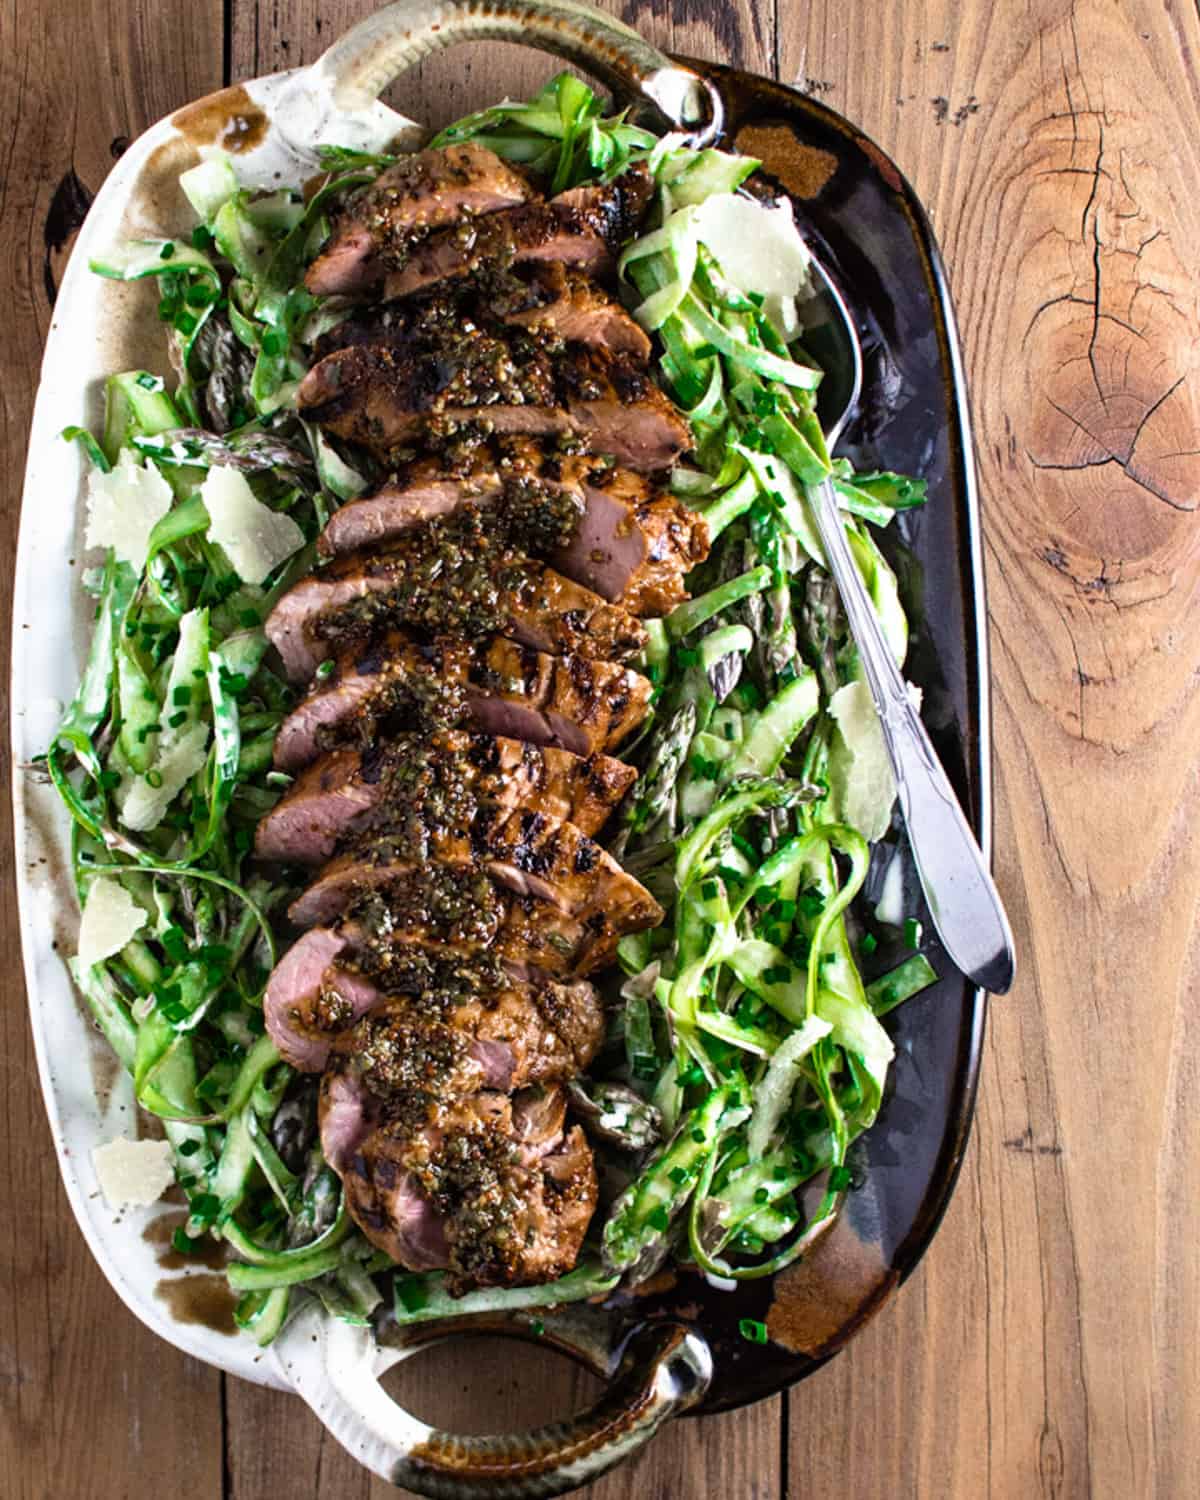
(1047, 1344)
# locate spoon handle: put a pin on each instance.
(963, 900)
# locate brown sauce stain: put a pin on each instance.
(823, 1299)
(202, 1300)
(804, 170)
(229, 119)
(210, 1253)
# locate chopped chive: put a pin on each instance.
(411, 1292)
(753, 1331)
(658, 1218)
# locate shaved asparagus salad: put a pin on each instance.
(746, 1052)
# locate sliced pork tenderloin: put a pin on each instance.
(454, 577)
(347, 792)
(387, 396)
(583, 227)
(422, 192)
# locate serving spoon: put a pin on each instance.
(962, 897)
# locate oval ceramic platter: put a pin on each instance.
(675, 1347)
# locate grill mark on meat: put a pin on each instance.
(499, 686)
(349, 792)
(581, 227)
(383, 396)
(420, 193)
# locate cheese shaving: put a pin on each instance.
(124, 507)
(111, 919)
(133, 1173)
(142, 805)
(255, 538)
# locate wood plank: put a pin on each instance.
(1046, 1346)
(271, 1436)
(90, 1402)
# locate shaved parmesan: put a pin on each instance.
(255, 538)
(124, 507)
(133, 1173)
(111, 919)
(756, 244)
(143, 805)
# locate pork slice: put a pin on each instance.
(456, 1190)
(583, 227)
(459, 584)
(524, 1026)
(635, 551)
(348, 791)
(553, 300)
(422, 192)
(563, 301)
(524, 855)
(617, 408)
(631, 543)
(383, 394)
(302, 1012)
(561, 703)
(423, 495)
(344, 1121)
(522, 850)
(444, 908)
(579, 705)
(454, 1041)
(384, 397)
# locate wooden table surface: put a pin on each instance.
(1047, 1345)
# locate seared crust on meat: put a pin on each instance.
(462, 582)
(582, 227)
(351, 791)
(387, 396)
(421, 192)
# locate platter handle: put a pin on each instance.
(345, 82)
(663, 1369)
